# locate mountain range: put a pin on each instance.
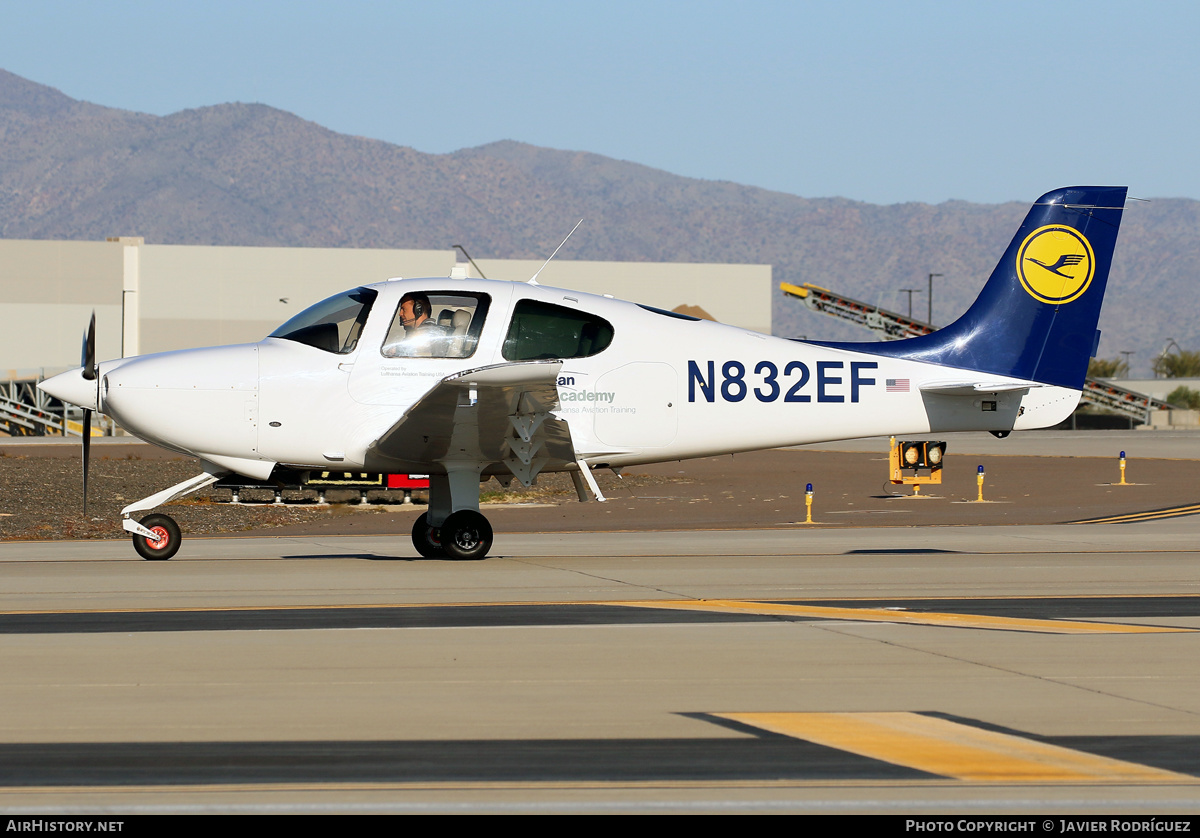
(250, 174)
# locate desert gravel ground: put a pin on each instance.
(40, 495)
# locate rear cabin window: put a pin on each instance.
(332, 325)
(450, 327)
(543, 330)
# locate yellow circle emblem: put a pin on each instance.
(1055, 263)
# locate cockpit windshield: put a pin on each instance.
(332, 325)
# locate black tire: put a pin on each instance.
(466, 535)
(167, 544)
(426, 539)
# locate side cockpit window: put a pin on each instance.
(436, 324)
(332, 325)
(543, 330)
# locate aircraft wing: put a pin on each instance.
(491, 415)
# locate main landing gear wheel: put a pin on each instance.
(167, 544)
(426, 539)
(466, 535)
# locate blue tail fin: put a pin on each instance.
(1036, 316)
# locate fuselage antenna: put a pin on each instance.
(478, 270)
(533, 279)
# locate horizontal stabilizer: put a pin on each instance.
(974, 388)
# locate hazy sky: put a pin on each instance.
(881, 102)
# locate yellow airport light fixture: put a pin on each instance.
(907, 459)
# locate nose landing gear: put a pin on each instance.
(156, 537)
(165, 543)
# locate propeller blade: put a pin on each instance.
(88, 359)
(87, 452)
(89, 370)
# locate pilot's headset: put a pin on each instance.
(420, 307)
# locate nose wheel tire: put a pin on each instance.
(466, 534)
(165, 545)
(427, 539)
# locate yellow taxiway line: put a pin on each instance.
(949, 749)
(1151, 515)
(887, 615)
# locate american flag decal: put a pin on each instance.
(897, 385)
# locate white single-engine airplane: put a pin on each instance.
(465, 378)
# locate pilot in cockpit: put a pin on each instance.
(423, 337)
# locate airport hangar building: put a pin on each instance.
(159, 297)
